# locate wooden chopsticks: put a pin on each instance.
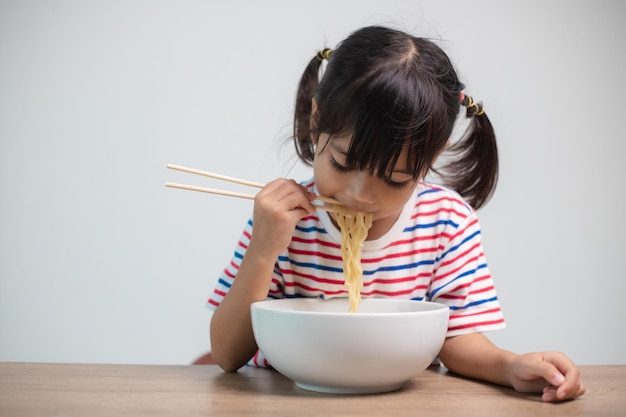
(327, 200)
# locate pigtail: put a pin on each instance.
(472, 169)
(309, 81)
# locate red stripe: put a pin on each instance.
(314, 289)
(424, 202)
(364, 260)
(460, 255)
(391, 281)
(315, 241)
(454, 271)
(460, 316)
(311, 277)
(343, 291)
(436, 236)
(450, 294)
(313, 217)
(476, 324)
(399, 255)
(394, 293)
(314, 254)
(234, 266)
(277, 292)
(463, 231)
(383, 281)
(439, 210)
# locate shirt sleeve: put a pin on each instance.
(463, 282)
(225, 281)
(228, 274)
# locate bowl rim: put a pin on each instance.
(265, 305)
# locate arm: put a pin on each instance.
(277, 209)
(473, 355)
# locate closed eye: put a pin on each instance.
(338, 167)
(388, 181)
(397, 185)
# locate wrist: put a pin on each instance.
(263, 251)
(507, 366)
(254, 277)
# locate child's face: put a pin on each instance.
(359, 190)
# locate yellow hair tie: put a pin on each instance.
(324, 54)
(478, 108)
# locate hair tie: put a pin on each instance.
(473, 109)
(324, 54)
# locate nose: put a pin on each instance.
(361, 189)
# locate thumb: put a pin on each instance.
(552, 369)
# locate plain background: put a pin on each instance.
(100, 262)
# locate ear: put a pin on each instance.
(314, 120)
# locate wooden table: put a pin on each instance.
(36, 389)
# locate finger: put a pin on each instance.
(553, 394)
(549, 394)
(279, 190)
(278, 187)
(566, 393)
(543, 368)
(297, 200)
(571, 383)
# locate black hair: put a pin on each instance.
(392, 90)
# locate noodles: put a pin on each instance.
(354, 228)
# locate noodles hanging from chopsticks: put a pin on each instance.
(354, 228)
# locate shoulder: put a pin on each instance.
(439, 200)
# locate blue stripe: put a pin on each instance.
(428, 191)
(475, 303)
(453, 248)
(309, 265)
(365, 272)
(464, 274)
(310, 229)
(223, 282)
(399, 267)
(430, 225)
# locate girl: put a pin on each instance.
(372, 128)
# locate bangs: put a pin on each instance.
(385, 114)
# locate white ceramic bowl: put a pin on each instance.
(322, 347)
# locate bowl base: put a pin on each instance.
(350, 390)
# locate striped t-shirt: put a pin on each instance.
(433, 252)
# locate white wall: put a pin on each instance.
(99, 262)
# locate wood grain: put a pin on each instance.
(39, 389)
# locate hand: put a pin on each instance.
(551, 373)
(277, 209)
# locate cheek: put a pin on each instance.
(327, 180)
(392, 199)
(324, 182)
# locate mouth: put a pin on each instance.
(359, 208)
